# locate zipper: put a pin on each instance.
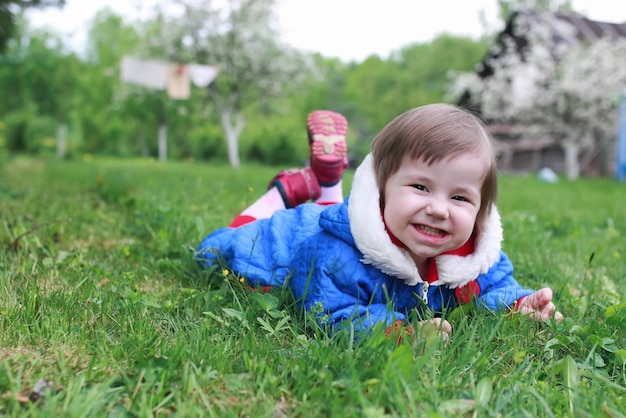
(424, 292)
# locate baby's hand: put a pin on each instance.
(431, 329)
(539, 305)
(435, 326)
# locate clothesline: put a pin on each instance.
(175, 78)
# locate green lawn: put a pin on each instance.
(100, 297)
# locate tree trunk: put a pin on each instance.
(233, 129)
(62, 141)
(604, 157)
(162, 142)
(572, 167)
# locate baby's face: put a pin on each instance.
(432, 208)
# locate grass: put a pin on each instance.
(103, 311)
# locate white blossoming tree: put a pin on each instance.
(591, 81)
(554, 86)
(239, 37)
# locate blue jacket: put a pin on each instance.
(341, 265)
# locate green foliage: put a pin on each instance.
(204, 141)
(8, 18)
(15, 128)
(277, 140)
(103, 310)
(416, 75)
(36, 71)
(25, 131)
(36, 77)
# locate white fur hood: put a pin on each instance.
(368, 230)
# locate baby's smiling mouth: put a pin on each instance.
(435, 232)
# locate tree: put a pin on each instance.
(591, 80)
(507, 7)
(38, 78)
(238, 36)
(103, 112)
(564, 90)
(9, 9)
(415, 75)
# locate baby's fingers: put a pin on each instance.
(536, 301)
(543, 312)
(444, 326)
(436, 326)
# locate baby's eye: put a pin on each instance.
(420, 187)
(460, 198)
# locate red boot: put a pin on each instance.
(327, 140)
(296, 186)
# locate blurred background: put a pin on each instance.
(233, 80)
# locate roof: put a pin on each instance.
(592, 30)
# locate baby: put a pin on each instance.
(420, 219)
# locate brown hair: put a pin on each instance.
(433, 133)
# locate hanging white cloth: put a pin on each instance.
(202, 75)
(147, 73)
(163, 75)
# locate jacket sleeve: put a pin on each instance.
(498, 288)
(260, 251)
(332, 285)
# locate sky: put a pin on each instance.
(347, 29)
